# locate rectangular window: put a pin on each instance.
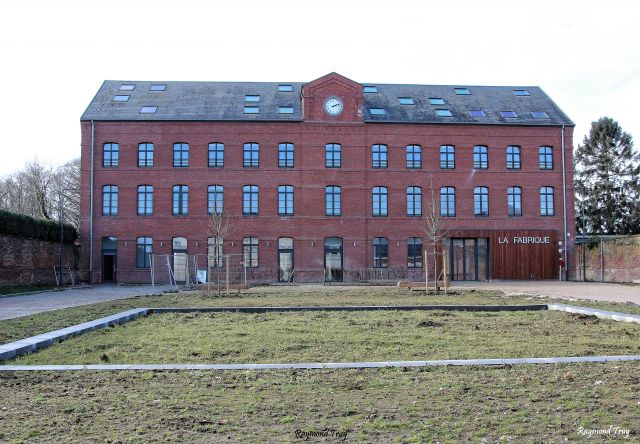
(120, 98)
(539, 115)
(252, 98)
(513, 157)
(250, 252)
(252, 110)
(110, 200)
(509, 114)
(180, 205)
(145, 200)
(216, 155)
(514, 201)
(477, 113)
(285, 110)
(145, 155)
(127, 86)
(333, 201)
(157, 87)
(436, 101)
(180, 154)
(111, 155)
(370, 89)
(379, 159)
(285, 200)
(144, 249)
(546, 201)
(251, 155)
(285, 88)
(443, 113)
(250, 200)
(148, 109)
(481, 201)
(215, 199)
(462, 91)
(447, 201)
(377, 111)
(545, 157)
(480, 157)
(285, 155)
(380, 203)
(447, 157)
(521, 92)
(380, 252)
(414, 156)
(333, 155)
(414, 252)
(414, 201)
(406, 101)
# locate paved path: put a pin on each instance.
(16, 306)
(594, 291)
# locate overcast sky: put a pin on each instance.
(55, 55)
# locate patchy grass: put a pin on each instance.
(542, 403)
(225, 338)
(9, 290)
(19, 328)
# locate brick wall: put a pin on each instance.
(31, 261)
(621, 260)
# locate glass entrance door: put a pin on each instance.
(333, 259)
(285, 259)
(469, 259)
(180, 270)
(109, 259)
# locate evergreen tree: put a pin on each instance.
(607, 181)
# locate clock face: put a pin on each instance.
(333, 106)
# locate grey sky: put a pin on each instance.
(55, 55)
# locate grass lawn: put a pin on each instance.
(531, 403)
(541, 403)
(225, 338)
(8, 290)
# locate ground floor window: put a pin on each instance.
(414, 252)
(380, 252)
(250, 252)
(144, 249)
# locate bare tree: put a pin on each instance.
(436, 227)
(218, 229)
(39, 189)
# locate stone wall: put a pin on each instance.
(621, 260)
(30, 261)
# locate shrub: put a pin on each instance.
(20, 225)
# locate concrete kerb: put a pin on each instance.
(29, 345)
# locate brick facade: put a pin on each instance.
(309, 225)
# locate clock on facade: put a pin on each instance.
(333, 106)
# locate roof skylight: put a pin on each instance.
(127, 86)
(285, 110)
(509, 114)
(539, 115)
(370, 89)
(436, 101)
(406, 101)
(285, 88)
(477, 113)
(462, 91)
(148, 109)
(377, 111)
(120, 98)
(252, 109)
(157, 87)
(252, 98)
(521, 92)
(443, 113)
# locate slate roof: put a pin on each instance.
(224, 101)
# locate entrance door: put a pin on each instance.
(109, 259)
(180, 270)
(469, 259)
(333, 259)
(285, 259)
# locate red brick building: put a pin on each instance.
(329, 178)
